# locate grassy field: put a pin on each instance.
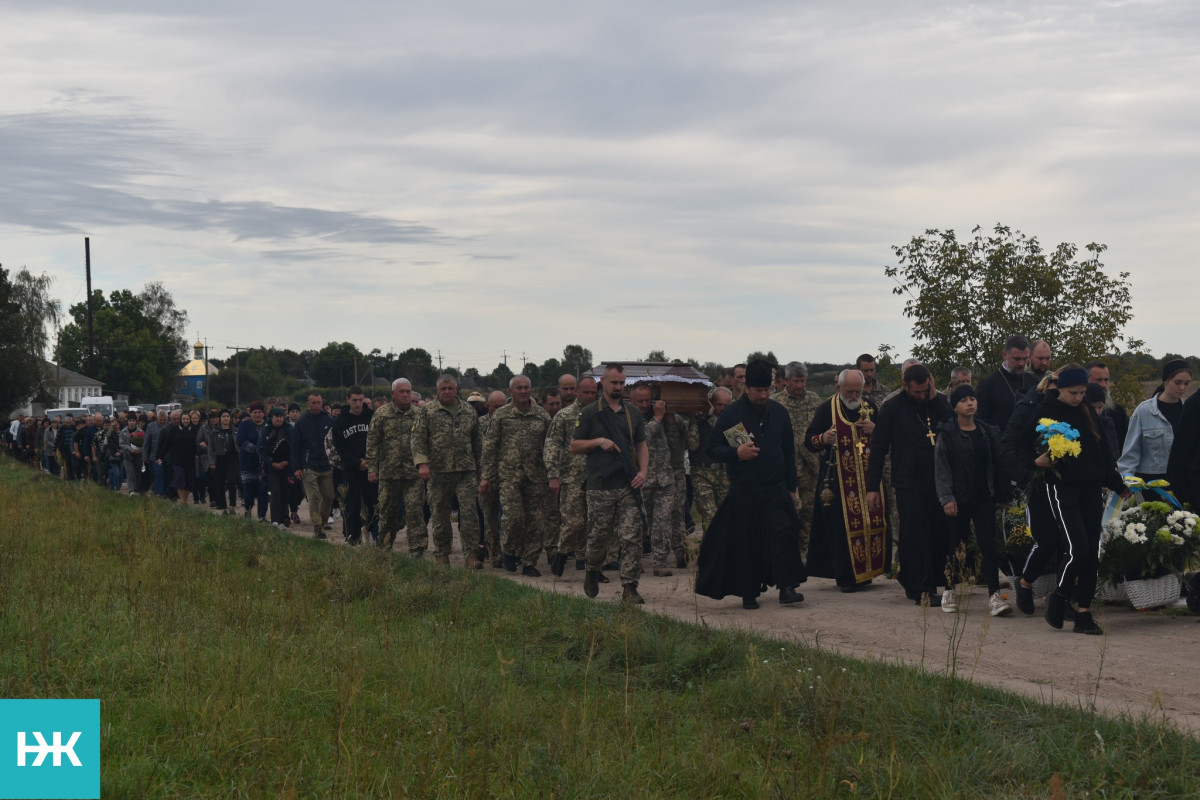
(232, 660)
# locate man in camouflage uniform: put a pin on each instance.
(801, 405)
(566, 473)
(658, 496)
(512, 455)
(446, 447)
(567, 387)
(679, 437)
(390, 462)
(490, 503)
(611, 500)
(710, 481)
(873, 390)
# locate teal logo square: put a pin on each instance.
(55, 748)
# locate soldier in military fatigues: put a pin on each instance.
(710, 481)
(446, 448)
(512, 455)
(679, 437)
(390, 462)
(801, 405)
(566, 473)
(489, 503)
(612, 507)
(659, 493)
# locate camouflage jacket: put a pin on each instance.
(447, 439)
(659, 473)
(389, 442)
(801, 414)
(679, 437)
(561, 463)
(877, 395)
(513, 445)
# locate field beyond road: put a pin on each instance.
(234, 660)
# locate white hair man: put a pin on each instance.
(390, 462)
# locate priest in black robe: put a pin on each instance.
(849, 543)
(754, 539)
(906, 428)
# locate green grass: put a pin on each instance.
(235, 661)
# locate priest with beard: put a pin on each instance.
(906, 429)
(754, 539)
(850, 542)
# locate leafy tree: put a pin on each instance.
(336, 364)
(531, 371)
(767, 356)
(20, 367)
(263, 366)
(966, 298)
(712, 369)
(133, 351)
(159, 305)
(657, 355)
(230, 387)
(500, 376)
(416, 364)
(551, 368)
(576, 359)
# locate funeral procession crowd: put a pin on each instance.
(778, 483)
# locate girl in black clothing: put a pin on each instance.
(276, 453)
(223, 468)
(1067, 492)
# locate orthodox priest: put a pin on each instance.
(906, 429)
(849, 541)
(754, 539)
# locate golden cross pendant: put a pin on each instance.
(932, 437)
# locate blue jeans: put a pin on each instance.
(255, 490)
(114, 475)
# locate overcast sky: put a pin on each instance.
(479, 178)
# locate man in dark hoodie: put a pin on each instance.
(350, 441)
(311, 462)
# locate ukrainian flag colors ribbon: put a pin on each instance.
(1158, 487)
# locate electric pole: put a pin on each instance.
(237, 372)
(87, 259)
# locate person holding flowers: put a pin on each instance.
(1072, 465)
(1154, 423)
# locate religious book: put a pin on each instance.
(738, 436)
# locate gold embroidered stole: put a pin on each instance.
(866, 529)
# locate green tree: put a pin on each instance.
(20, 367)
(966, 298)
(416, 364)
(133, 353)
(159, 305)
(531, 371)
(500, 376)
(230, 388)
(767, 356)
(657, 355)
(336, 364)
(551, 368)
(263, 366)
(576, 359)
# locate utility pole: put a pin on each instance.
(87, 259)
(504, 355)
(204, 381)
(439, 360)
(522, 361)
(237, 373)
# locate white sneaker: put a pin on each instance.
(949, 601)
(337, 514)
(998, 606)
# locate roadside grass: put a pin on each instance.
(232, 660)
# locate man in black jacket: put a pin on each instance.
(998, 392)
(311, 462)
(906, 429)
(350, 440)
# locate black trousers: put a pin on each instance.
(983, 514)
(1075, 512)
(1044, 530)
(360, 493)
(279, 488)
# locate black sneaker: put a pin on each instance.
(558, 563)
(788, 595)
(1024, 598)
(530, 571)
(749, 602)
(510, 563)
(1069, 612)
(591, 583)
(320, 535)
(1085, 624)
(1054, 609)
(580, 565)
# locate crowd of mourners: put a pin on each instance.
(782, 483)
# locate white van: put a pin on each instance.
(168, 407)
(61, 413)
(97, 405)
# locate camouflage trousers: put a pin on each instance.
(679, 515)
(490, 504)
(412, 492)
(806, 491)
(553, 524)
(665, 536)
(525, 503)
(613, 519)
(572, 512)
(443, 488)
(709, 487)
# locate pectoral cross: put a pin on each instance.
(932, 437)
(861, 447)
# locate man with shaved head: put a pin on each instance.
(390, 463)
(567, 387)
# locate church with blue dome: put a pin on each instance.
(192, 378)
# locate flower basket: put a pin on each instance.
(1146, 542)
(1110, 593)
(1145, 593)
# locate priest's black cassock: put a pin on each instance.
(846, 520)
(754, 539)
